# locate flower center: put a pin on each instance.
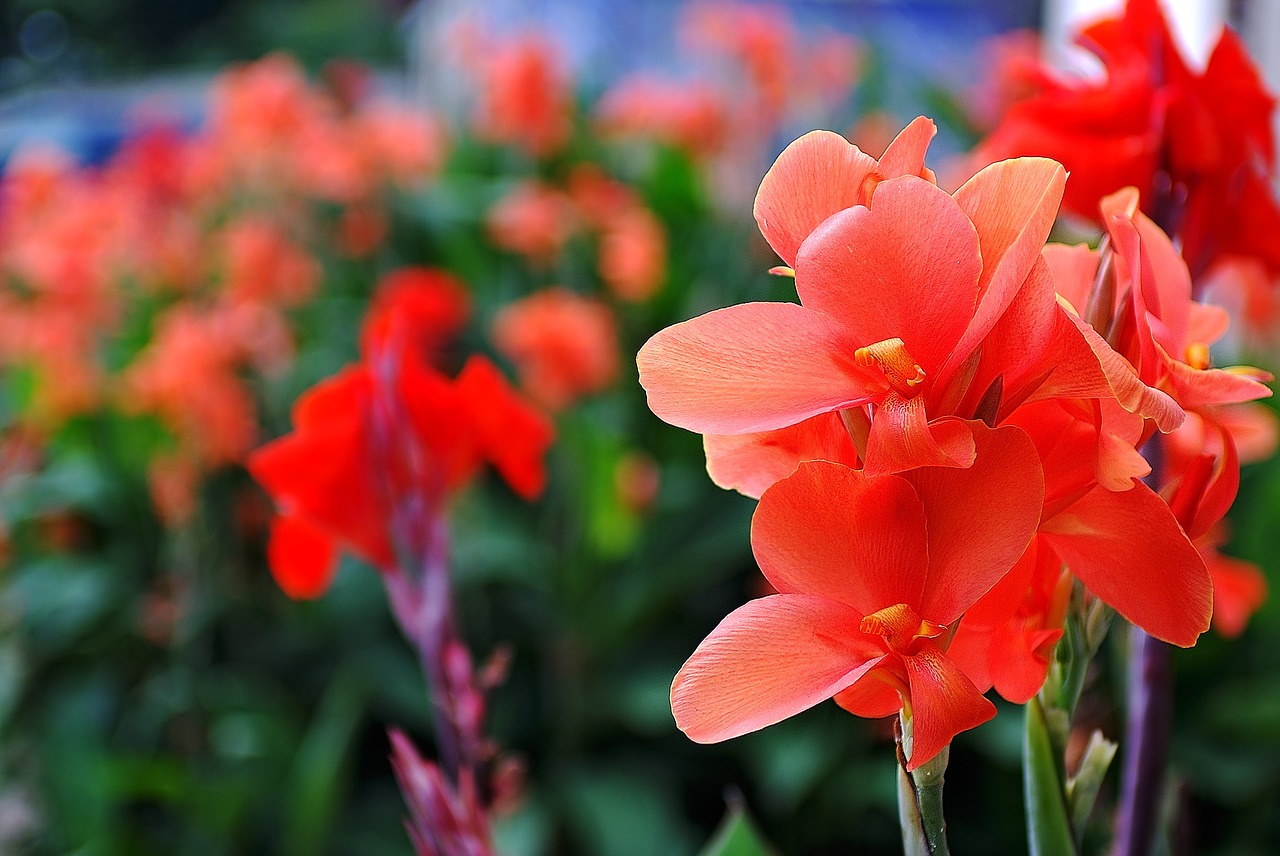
(903, 373)
(900, 627)
(1198, 355)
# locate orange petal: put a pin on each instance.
(981, 519)
(907, 268)
(768, 660)
(1012, 205)
(749, 463)
(1073, 269)
(903, 439)
(1130, 551)
(829, 530)
(1239, 589)
(1134, 395)
(905, 155)
(753, 367)
(814, 177)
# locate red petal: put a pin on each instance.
(768, 660)
(829, 530)
(753, 367)
(512, 434)
(907, 268)
(1129, 550)
(301, 557)
(943, 703)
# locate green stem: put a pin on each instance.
(924, 829)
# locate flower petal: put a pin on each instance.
(814, 177)
(301, 557)
(1130, 551)
(905, 155)
(1133, 395)
(749, 463)
(753, 367)
(903, 439)
(768, 660)
(830, 530)
(1012, 205)
(943, 703)
(981, 519)
(907, 268)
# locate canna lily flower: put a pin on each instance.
(871, 573)
(918, 311)
(1006, 639)
(1114, 532)
(1198, 143)
(563, 345)
(383, 439)
(1154, 323)
(430, 303)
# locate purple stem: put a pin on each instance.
(1150, 720)
(1146, 745)
(419, 588)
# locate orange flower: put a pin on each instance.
(918, 310)
(687, 114)
(564, 346)
(633, 254)
(525, 97)
(871, 574)
(534, 220)
(263, 265)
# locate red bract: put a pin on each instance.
(871, 573)
(430, 304)
(929, 308)
(376, 451)
(1197, 143)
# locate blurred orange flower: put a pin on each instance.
(563, 345)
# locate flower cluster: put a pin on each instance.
(158, 282)
(938, 433)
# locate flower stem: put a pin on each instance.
(924, 829)
(1146, 747)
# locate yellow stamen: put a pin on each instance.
(900, 626)
(903, 373)
(1198, 355)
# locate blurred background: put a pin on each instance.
(200, 199)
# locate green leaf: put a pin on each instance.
(737, 836)
(1082, 789)
(1048, 826)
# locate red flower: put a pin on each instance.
(1197, 144)
(430, 305)
(377, 450)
